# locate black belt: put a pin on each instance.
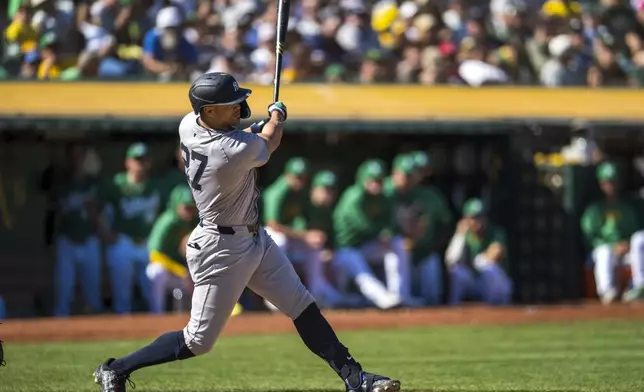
(253, 229)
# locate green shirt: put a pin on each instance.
(607, 223)
(133, 208)
(424, 204)
(72, 201)
(477, 243)
(360, 217)
(166, 236)
(319, 218)
(283, 205)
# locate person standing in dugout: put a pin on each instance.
(365, 238)
(131, 202)
(476, 259)
(78, 251)
(611, 228)
(228, 250)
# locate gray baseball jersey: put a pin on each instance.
(221, 169)
(220, 166)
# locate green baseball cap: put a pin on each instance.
(297, 166)
(181, 196)
(371, 169)
(137, 150)
(325, 178)
(404, 163)
(421, 159)
(472, 208)
(607, 172)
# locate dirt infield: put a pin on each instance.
(148, 326)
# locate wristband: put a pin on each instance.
(258, 126)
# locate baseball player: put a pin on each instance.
(318, 216)
(363, 226)
(77, 245)
(612, 229)
(284, 202)
(419, 216)
(476, 258)
(167, 269)
(228, 250)
(132, 202)
(286, 206)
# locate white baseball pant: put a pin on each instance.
(354, 263)
(221, 266)
(606, 262)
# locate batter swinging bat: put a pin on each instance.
(283, 7)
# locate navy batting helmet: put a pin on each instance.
(218, 89)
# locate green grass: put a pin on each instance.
(601, 356)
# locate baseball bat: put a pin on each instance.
(283, 9)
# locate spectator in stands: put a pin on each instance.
(167, 53)
(477, 258)
(612, 230)
(20, 35)
(561, 69)
(451, 42)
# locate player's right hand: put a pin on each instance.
(277, 107)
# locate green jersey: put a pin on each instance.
(72, 200)
(318, 218)
(476, 243)
(133, 208)
(360, 217)
(283, 205)
(422, 205)
(165, 240)
(607, 223)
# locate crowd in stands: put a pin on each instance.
(475, 42)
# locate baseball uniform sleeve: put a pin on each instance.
(349, 220)
(246, 150)
(160, 232)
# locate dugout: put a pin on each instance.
(482, 142)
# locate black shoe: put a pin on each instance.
(374, 383)
(109, 380)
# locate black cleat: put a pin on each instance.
(374, 383)
(109, 380)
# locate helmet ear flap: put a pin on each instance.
(244, 110)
